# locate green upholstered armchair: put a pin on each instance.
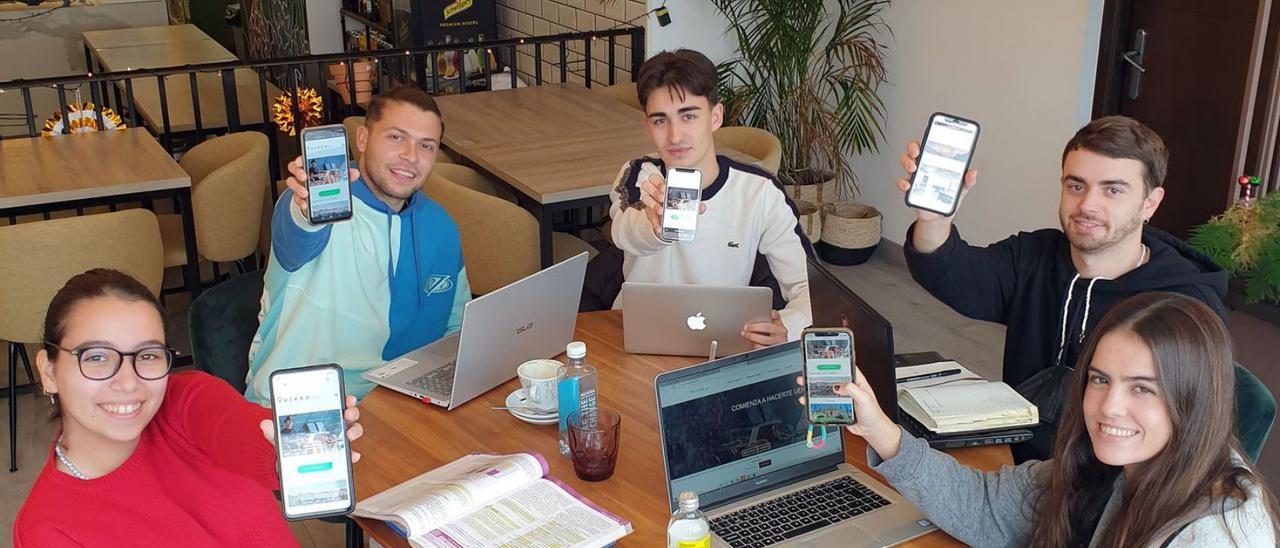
(1255, 412)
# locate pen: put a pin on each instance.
(926, 376)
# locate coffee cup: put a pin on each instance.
(538, 377)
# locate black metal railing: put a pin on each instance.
(411, 65)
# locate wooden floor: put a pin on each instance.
(920, 323)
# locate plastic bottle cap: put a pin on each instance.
(688, 501)
(576, 350)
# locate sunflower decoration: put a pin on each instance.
(82, 118)
(310, 108)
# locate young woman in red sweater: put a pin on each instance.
(145, 458)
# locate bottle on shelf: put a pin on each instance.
(688, 527)
(576, 386)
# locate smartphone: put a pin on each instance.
(828, 363)
(680, 205)
(313, 456)
(324, 162)
(945, 155)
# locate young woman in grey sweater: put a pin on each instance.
(1145, 455)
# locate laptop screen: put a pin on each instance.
(735, 426)
(872, 334)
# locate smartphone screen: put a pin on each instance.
(680, 212)
(311, 442)
(944, 159)
(828, 363)
(324, 160)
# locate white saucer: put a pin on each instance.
(517, 399)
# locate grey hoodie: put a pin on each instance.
(998, 508)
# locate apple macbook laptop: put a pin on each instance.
(733, 430)
(682, 320)
(527, 319)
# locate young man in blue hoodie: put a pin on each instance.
(369, 289)
(1051, 286)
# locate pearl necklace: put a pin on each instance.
(62, 457)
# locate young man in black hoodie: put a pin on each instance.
(1051, 286)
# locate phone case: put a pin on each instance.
(973, 150)
(302, 141)
(666, 196)
(342, 395)
(805, 371)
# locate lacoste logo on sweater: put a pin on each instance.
(733, 244)
(438, 284)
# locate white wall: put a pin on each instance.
(695, 24)
(1024, 70)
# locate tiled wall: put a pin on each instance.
(542, 17)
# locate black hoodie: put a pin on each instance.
(1024, 281)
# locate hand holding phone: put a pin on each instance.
(828, 367)
(326, 173)
(313, 452)
(653, 194)
(939, 170)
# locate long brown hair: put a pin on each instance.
(1192, 352)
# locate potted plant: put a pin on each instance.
(1245, 241)
(809, 72)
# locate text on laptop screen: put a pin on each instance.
(734, 424)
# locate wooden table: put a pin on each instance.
(404, 438)
(138, 36)
(43, 174)
(177, 54)
(557, 145)
(213, 106)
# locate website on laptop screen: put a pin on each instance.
(734, 424)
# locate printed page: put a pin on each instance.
(969, 403)
(542, 514)
(441, 495)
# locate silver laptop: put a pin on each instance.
(683, 320)
(528, 319)
(733, 431)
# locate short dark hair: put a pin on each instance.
(409, 95)
(681, 71)
(1123, 138)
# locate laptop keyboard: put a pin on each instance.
(794, 514)
(437, 382)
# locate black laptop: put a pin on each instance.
(834, 304)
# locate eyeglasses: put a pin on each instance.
(99, 363)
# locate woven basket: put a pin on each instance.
(810, 219)
(850, 232)
(820, 194)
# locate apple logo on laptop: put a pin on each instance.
(697, 322)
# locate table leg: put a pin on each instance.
(545, 214)
(190, 271)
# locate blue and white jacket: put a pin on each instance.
(359, 292)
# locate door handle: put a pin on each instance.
(1134, 58)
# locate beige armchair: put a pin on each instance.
(624, 93)
(754, 142)
(228, 177)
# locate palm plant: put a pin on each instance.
(811, 77)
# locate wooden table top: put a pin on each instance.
(46, 170)
(404, 438)
(137, 36)
(553, 143)
(213, 108)
(175, 54)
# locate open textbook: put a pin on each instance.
(961, 402)
(493, 500)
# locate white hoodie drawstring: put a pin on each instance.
(1088, 299)
(1066, 307)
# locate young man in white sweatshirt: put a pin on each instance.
(744, 211)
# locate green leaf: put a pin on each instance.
(1262, 283)
(1217, 240)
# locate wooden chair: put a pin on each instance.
(228, 177)
(45, 254)
(754, 142)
